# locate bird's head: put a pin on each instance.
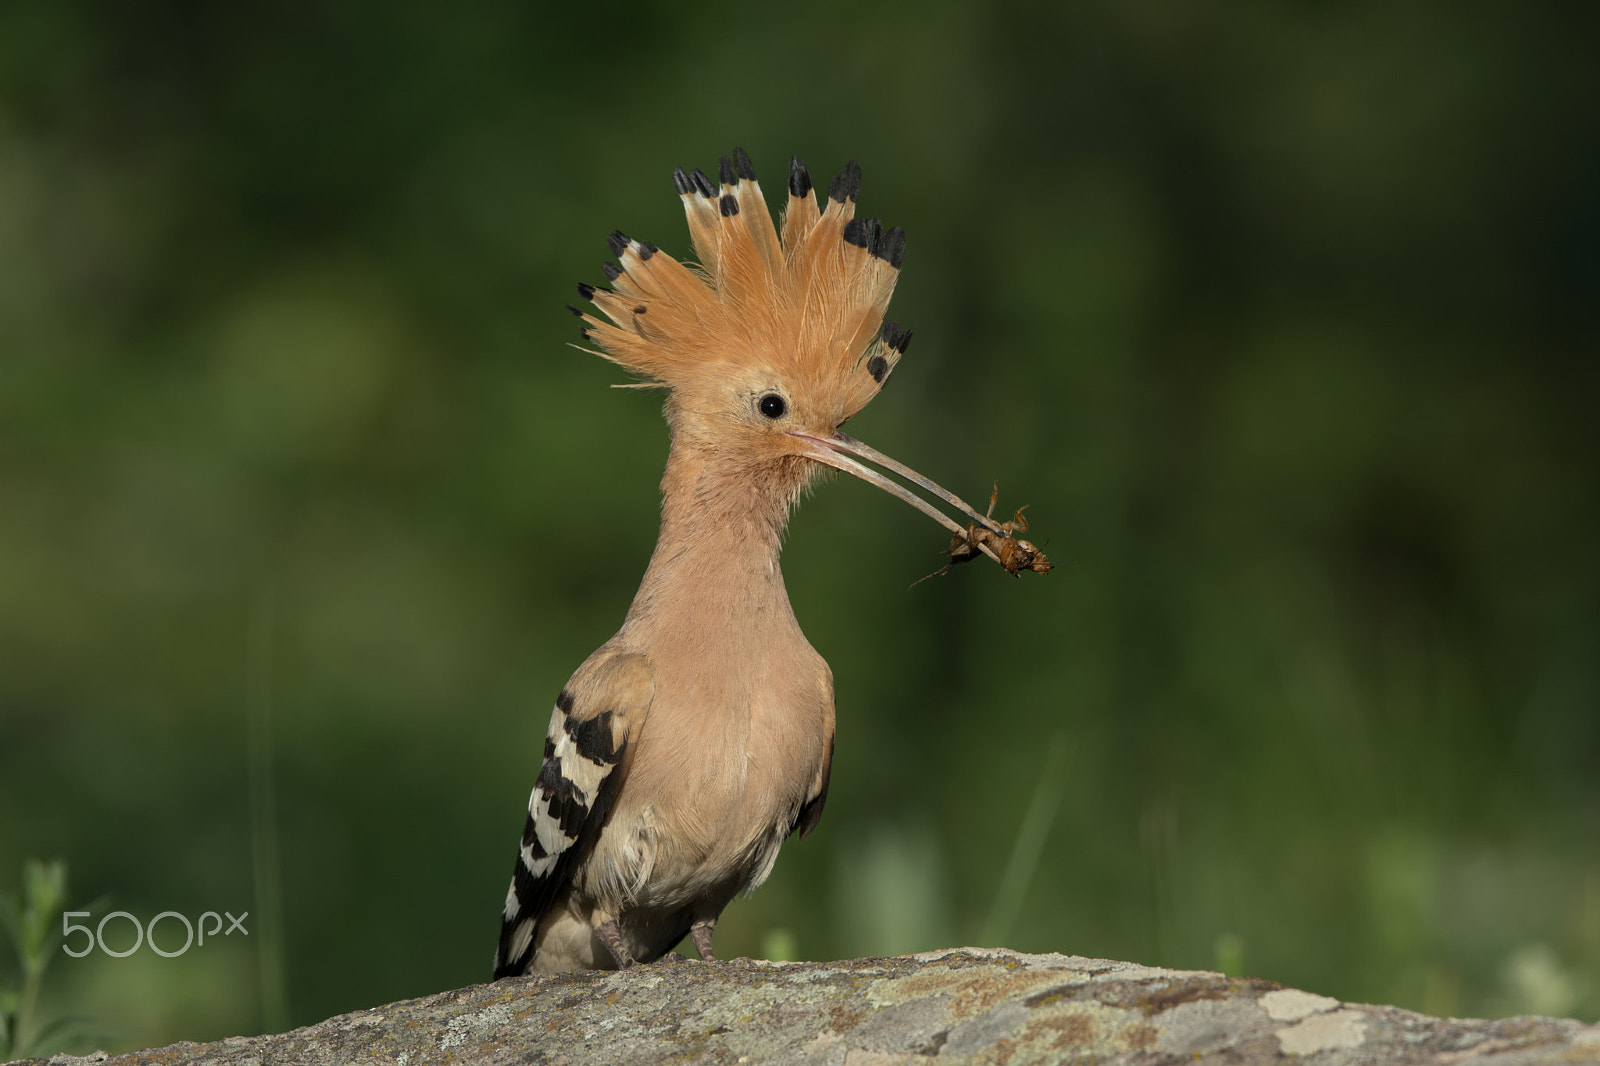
(776, 338)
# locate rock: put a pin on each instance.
(972, 1005)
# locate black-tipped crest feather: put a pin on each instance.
(742, 165)
(847, 186)
(799, 179)
(892, 248)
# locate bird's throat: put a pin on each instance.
(715, 564)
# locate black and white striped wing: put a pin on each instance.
(584, 750)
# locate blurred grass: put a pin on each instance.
(1280, 318)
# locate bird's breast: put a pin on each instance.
(727, 758)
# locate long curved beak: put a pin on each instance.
(842, 452)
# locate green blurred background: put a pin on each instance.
(1280, 316)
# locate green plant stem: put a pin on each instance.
(1029, 844)
(264, 820)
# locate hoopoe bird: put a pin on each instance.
(690, 745)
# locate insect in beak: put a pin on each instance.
(983, 534)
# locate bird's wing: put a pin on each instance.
(811, 811)
(597, 716)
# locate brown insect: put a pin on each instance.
(999, 541)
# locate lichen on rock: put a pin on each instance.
(967, 1005)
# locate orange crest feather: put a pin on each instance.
(808, 306)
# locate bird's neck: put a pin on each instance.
(715, 566)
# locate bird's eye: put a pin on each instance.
(772, 405)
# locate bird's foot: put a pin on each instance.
(611, 937)
(701, 933)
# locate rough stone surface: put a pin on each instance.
(969, 1005)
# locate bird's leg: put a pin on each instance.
(611, 937)
(701, 932)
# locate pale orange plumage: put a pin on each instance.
(683, 752)
(808, 308)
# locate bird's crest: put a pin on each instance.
(807, 305)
